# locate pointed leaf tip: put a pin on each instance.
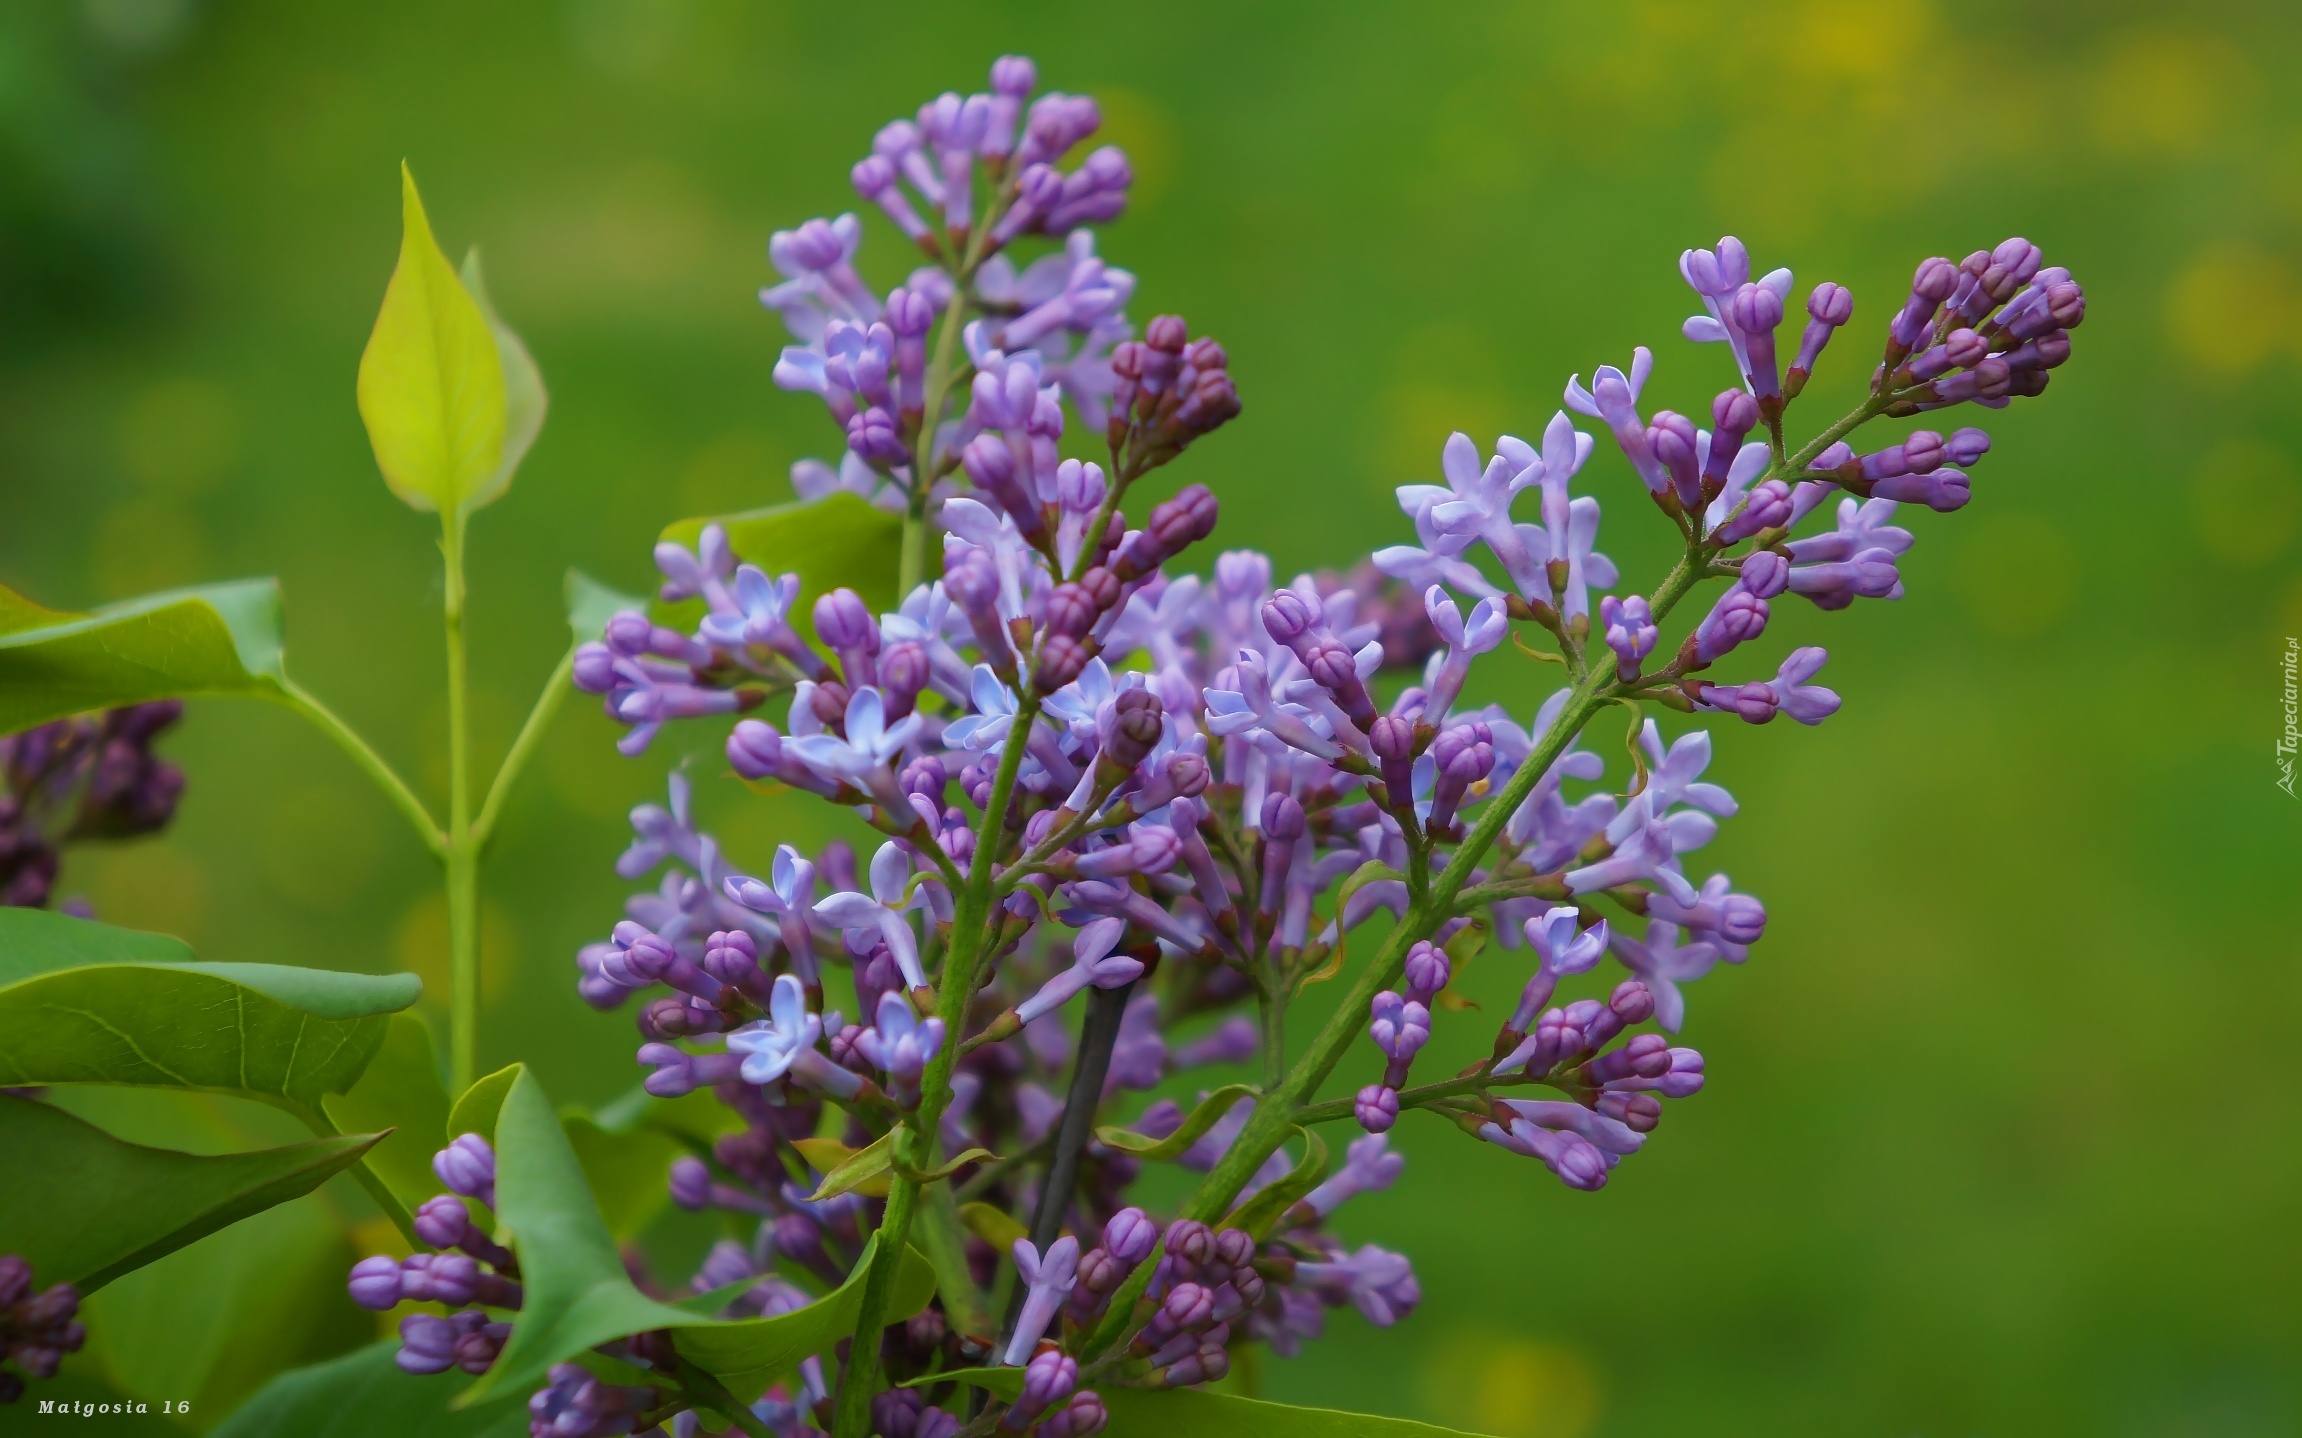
(432, 385)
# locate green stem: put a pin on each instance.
(911, 567)
(713, 1394)
(296, 697)
(365, 1176)
(851, 1416)
(944, 1240)
(523, 748)
(462, 855)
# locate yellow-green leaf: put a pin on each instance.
(1260, 1214)
(864, 1170)
(995, 1226)
(524, 398)
(1209, 1112)
(431, 387)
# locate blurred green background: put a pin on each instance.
(2001, 1136)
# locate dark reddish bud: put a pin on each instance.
(1061, 657)
(1071, 611)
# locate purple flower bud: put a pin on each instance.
(873, 436)
(1427, 970)
(1071, 612)
(594, 668)
(1734, 414)
(1630, 631)
(1671, 438)
(1282, 818)
(428, 1343)
(1399, 1027)
(1768, 506)
(755, 749)
(1084, 1418)
(842, 621)
(1188, 517)
(1061, 658)
(375, 1282)
(468, 1166)
(1933, 283)
(691, 1183)
(1738, 617)
(442, 1222)
(1190, 1243)
(1966, 447)
(1376, 1108)
(904, 670)
(1829, 307)
(1130, 1236)
(1048, 1380)
(1943, 491)
(1756, 311)
(1288, 618)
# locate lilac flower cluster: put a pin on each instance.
(36, 1329)
(469, 1274)
(1128, 815)
(91, 777)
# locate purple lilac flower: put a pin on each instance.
(1194, 766)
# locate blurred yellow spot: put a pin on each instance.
(1144, 129)
(2018, 574)
(1511, 1387)
(1853, 43)
(2290, 613)
(2243, 500)
(734, 472)
(1420, 417)
(150, 884)
(180, 436)
(420, 944)
(2231, 306)
(148, 544)
(315, 851)
(2160, 94)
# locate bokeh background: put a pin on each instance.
(2002, 1130)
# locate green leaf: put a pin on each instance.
(365, 1395)
(476, 1110)
(401, 1091)
(1164, 1412)
(629, 1173)
(212, 1322)
(1260, 1214)
(1366, 873)
(1003, 1383)
(432, 388)
(944, 1170)
(84, 1207)
(591, 604)
(524, 398)
(1209, 1113)
(83, 1002)
(219, 639)
(749, 1354)
(841, 541)
(994, 1225)
(861, 1167)
(578, 1293)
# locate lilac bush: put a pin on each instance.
(1136, 797)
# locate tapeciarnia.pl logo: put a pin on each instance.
(2288, 741)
